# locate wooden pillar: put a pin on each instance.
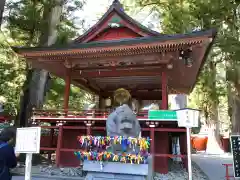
(59, 145)
(161, 162)
(67, 88)
(101, 103)
(51, 143)
(96, 101)
(164, 104)
(152, 136)
(183, 148)
(89, 130)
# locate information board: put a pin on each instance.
(235, 144)
(162, 115)
(28, 140)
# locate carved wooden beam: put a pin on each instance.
(113, 58)
(116, 73)
(148, 95)
(134, 87)
(118, 67)
(86, 85)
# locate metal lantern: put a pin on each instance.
(108, 102)
(188, 117)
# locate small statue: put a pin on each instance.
(122, 121)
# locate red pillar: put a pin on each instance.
(67, 88)
(183, 148)
(59, 145)
(161, 162)
(66, 101)
(164, 104)
(152, 148)
(89, 130)
(51, 142)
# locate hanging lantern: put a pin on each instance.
(188, 117)
(108, 102)
(185, 55)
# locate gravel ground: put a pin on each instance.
(181, 174)
(212, 165)
(176, 173)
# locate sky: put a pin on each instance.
(94, 9)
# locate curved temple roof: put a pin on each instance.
(134, 63)
(178, 39)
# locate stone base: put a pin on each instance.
(116, 168)
(116, 171)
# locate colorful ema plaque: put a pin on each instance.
(98, 149)
(111, 157)
(104, 141)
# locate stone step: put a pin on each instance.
(111, 176)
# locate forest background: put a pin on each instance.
(46, 22)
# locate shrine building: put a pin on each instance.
(118, 52)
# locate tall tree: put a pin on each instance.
(2, 5)
(39, 23)
(195, 14)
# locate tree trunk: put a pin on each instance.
(213, 143)
(36, 85)
(236, 116)
(2, 5)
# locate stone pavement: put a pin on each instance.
(212, 166)
(22, 178)
(46, 178)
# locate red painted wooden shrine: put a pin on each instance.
(4, 117)
(118, 52)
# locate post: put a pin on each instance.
(28, 142)
(59, 145)
(164, 104)
(227, 173)
(67, 88)
(50, 142)
(152, 136)
(89, 130)
(28, 166)
(189, 154)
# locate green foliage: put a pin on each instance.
(12, 76)
(183, 16)
(24, 22)
(55, 97)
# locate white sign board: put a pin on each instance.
(188, 118)
(28, 140)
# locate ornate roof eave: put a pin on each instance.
(136, 45)
(203, 60)
(115, 7)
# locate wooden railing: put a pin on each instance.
(72, 115)
(227, 175)
(62, 112)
